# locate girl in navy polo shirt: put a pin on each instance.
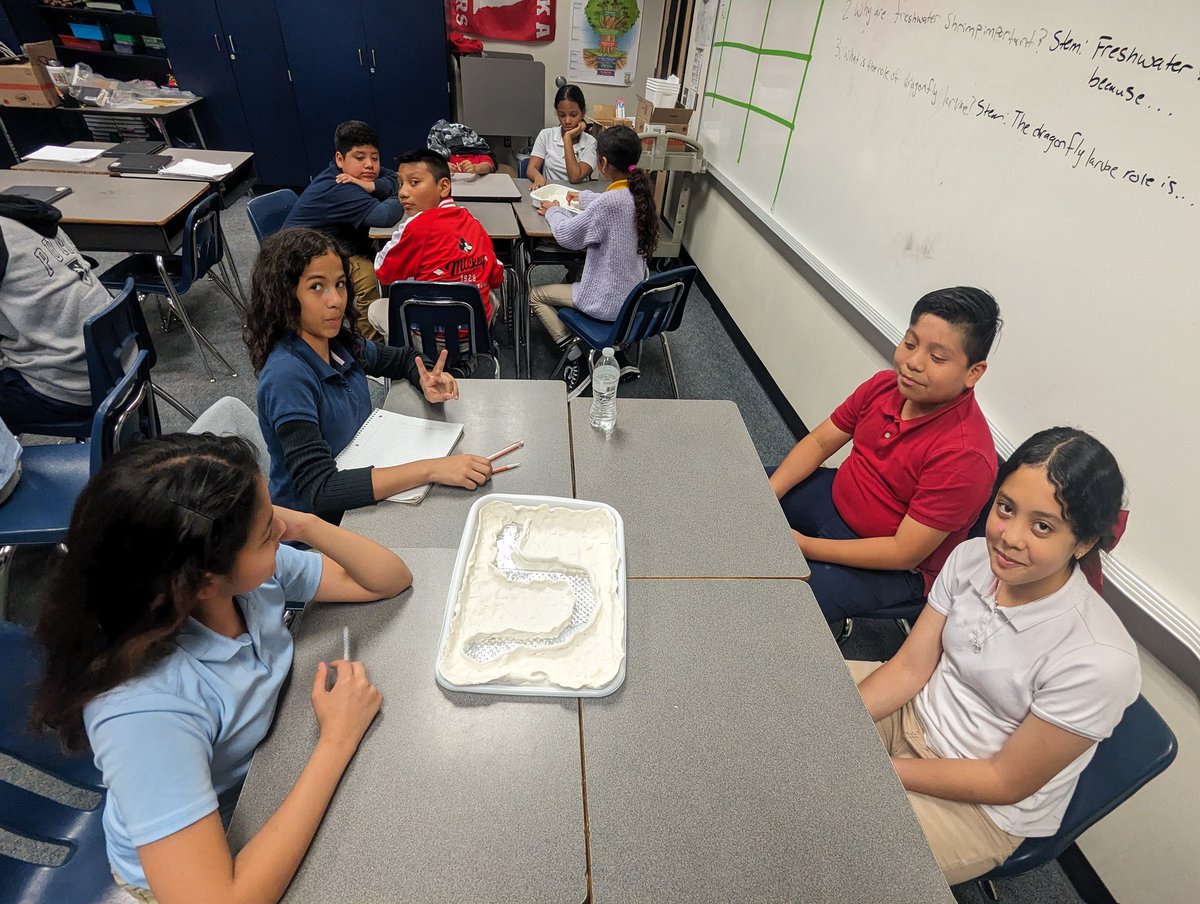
(312, 368)
(166, 652)
(1017, 667)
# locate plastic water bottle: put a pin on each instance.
(605, 376)
(620, 108)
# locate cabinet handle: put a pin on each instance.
(373, 63)
(360, 56)
(232, 48)
(217, 42)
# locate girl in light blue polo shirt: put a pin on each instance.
(166, 652)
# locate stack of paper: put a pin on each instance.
(388, 438)
(195, 169)
(54, 153)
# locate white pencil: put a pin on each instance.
(346, 642)
(503, 468)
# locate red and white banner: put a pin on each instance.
(506, 20)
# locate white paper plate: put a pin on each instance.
(460, 567)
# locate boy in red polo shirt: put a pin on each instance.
(877, 530)
(437, 241)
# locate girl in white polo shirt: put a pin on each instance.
(166, 653)
(566, 152)
(1017, 667)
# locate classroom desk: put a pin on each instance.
(118, 214)
(687, 480)
(496, 413)
(737, 763)
(498, 221)
(155, 113)
(489, 187)
(451, 797)
(229, 187)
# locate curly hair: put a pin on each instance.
(622, 148)
(150, 528)
(1086, 478)
(274, 311)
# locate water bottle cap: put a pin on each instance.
(608, 352)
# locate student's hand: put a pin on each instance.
(344, 712)
(368, 187)
(459, 167)
(572, 134)
(437, 385)
(467, 471)
(536, 181)
(482, 168)
(546, 205)
(295, 524)
(572, 198)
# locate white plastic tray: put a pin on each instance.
(460, 565)
(552, 191)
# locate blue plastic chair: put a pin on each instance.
(172, 275)
(1140, 747)
(84, 875)
(52, 477)
(268, 212)
(421, 312)
(653, 308)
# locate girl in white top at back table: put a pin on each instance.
(1017, 667)
(565, 153)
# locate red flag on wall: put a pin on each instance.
(506, 20)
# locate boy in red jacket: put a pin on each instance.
(437, 241)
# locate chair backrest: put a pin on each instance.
(112, 337)
(268, 212)
(84, 875)
(654, 306)
(203, 246)
(115, 424)
(430, 316)
(1140, 747)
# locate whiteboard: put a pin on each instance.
(1049, 153)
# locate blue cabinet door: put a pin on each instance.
(406, 42)
(255, 43)
(328, 57)
(195, 40)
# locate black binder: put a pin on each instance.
(134, 147)
(142, 164)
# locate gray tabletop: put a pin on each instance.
(451, 797)
(690, 487)
(533, 224)
(489, 187)
(100, 165)
(736, 762)
(496, 413)
(498, 221)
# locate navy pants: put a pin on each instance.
(22, 406)
(842, 591)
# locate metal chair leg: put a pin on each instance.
(173, 402)
(6, 557)
(228, 255)
(670, 363)
(198, 341)
(222, 283)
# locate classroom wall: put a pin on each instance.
(554, 55)
(815, 348)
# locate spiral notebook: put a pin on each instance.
(388, 438)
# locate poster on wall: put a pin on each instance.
(703, 35)
(506, 20)
(604, 41)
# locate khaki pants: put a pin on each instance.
(365, 286)
(544, 300)
(141, 895)
(964, 840)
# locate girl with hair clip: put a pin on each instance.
(312, 368)
(617, 255)
(1017, 667)
(166, 652)
(566, 152)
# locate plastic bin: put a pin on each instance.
(89, 31)
(75, 43)
(143, 7)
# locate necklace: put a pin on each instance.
(977, 637)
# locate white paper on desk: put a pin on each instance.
(197, 169)
(388, 439)
(57, 154)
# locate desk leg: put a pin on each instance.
(522, 314)
(195, 125)
(8, 138)
(161, 122)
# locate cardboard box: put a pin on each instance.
(24, 82)
(672, 119)
(606, 115)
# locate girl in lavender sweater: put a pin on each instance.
(619, 230)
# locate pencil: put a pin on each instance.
(503, 468)
(346, 642)
(517, 445)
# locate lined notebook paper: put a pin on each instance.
(54, 153)
(388, 439)
(197, 169)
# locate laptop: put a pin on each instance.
(47, 193)
(141, 164)
(134, 147)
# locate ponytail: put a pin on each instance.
(645, 218)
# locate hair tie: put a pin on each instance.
(632, 168)
(1092, 569)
